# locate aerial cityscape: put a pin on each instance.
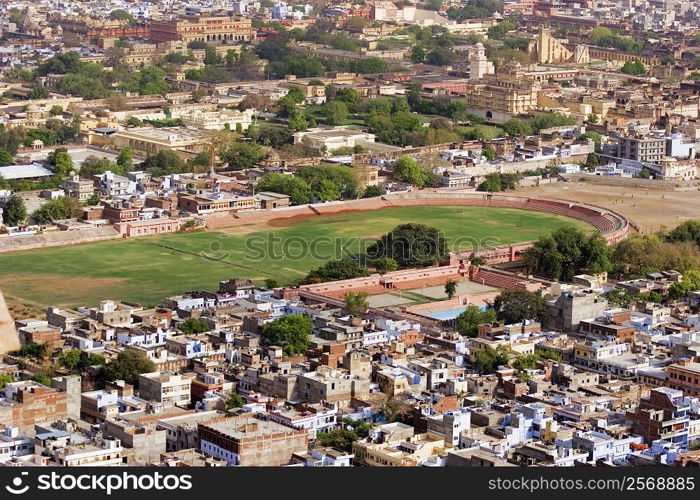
(360, 233)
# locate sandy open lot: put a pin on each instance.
(650, 209)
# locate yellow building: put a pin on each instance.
(148, 141)
(412, 452)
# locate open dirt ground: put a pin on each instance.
(650, 209)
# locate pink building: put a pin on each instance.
(147, 227)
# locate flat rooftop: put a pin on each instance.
(248, 427)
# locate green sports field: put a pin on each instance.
(147, 269)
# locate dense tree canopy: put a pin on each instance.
(15, 211)
(406, 169)
(334, 270)
(296, 188)
(242, 155)
(291, 332)
(128, 366)
(515, 306)
(567, 252)
(468, 321)
(489, 359)
(411, 245)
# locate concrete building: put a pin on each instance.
(665, 415)
(28, 403)
(330, 139)
(79, 189)
(684, 376)
(72, 386)
(479, 65)
(642, 149)
(251, 441)
(569, 308)
(165, 387)
(142, 444)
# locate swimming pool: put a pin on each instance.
(448, 315)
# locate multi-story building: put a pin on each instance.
(314, 418)
(665, 415)
(642, 149)
(218, 202)
(74, 187)
(165, 387)
(569, 308)
(502, 96)
(221, 29)
(28, 403)
(98, 406)
(251, 441)
(14, 444)
(684, 376)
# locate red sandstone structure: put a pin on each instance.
(612, 225)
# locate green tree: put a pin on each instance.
(194, 325)
(356, 304)
(296, 94)
(689, 283)
(271, 283)
(56, 110)
(122, 15)
(38, 92)
(6, 158)
(468, 321)
(234, 400)
(411, 245)
(133, 122)
(407, 169)
(5, 379)
(417, 54)
(211, 56)
(164, 162)
(492, 183)
(242, 155)
(373, 191)
(633, 68)
(688, 231)
(329, 182)
(125, 160)
(326, 190)
(70, 359)
(336, 113)
(291, 332)
(42, 378)
(149, 80)
(489, 359)
(385, 264)
(450, 288)
(515, 306)
(334, 270)
(297, 121)
(297, 189)
(63, 163)
(339, 439)
(526, 361)
(15, 212)
(349, 97)
(127, 366)
(489, 152)
(568, 251)
(58, 209)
